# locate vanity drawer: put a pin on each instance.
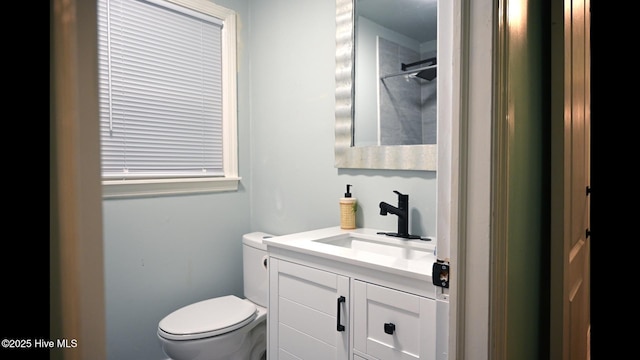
(393, 325)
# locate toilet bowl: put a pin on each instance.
(226, 327)
(229, 330)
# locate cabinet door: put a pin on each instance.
(393, 325)
(308, 313)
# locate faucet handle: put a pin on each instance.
(403, 200)
(400, 196)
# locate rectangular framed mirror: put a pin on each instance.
(386, 84)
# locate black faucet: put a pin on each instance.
(402, 211)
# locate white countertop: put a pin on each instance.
(307, 243)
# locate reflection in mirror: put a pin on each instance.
(395, 72)
(370, 152)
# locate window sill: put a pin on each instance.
(113, 189)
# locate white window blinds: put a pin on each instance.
(160, 91)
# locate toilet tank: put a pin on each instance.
(254, 267)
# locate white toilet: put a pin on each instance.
(226, 327)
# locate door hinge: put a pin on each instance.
(587, 233)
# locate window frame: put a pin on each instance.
(190, 185)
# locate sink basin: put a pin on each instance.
(381, 245)
(362, 247)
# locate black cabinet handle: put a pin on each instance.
(340, 327)
(389, 328)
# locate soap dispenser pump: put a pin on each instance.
(348, 207)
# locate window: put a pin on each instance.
(167, 97)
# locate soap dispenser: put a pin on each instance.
(348, 207)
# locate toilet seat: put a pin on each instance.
(207, 318)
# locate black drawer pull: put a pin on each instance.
(389, 328)
(340, 327)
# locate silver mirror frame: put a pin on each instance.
(401, 157)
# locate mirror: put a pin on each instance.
(386, 84)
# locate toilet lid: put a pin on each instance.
(207, 318)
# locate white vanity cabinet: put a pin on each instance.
(315, 314)
(308, 313)
(392, 324)
(356, 295)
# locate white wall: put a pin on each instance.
(295, 186)
(166, 252)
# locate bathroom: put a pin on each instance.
(160, 253)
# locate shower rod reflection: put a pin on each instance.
(426, 72)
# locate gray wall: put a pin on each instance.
(165, 252)
(527, 294)
(367, 82)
